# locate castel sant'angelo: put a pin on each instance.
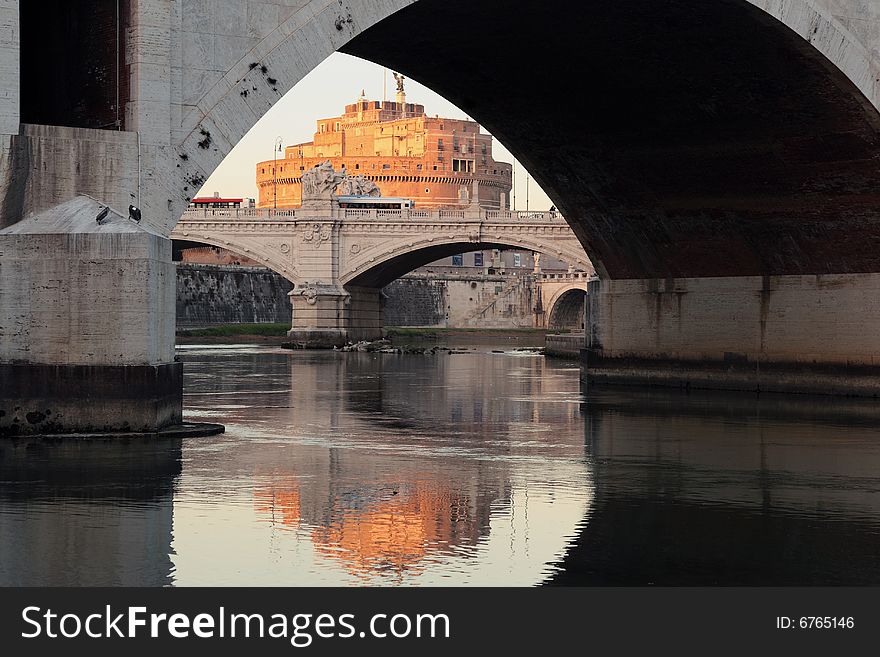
(432, 160)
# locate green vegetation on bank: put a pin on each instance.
(392, 331)
(280, 331)
(226, 330)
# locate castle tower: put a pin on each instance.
(400, 148)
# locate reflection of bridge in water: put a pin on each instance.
(728, 489)
(384, 483)
(339, 259)
(345, 471)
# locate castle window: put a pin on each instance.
(478, 259)
(458, 260)
(357, 166)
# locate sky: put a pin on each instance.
(323, 93)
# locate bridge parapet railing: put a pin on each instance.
(356, 213)
(522, 215)
(450, 214)
(370, 214)
(239, 213)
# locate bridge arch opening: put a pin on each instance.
(403, 259)
(706, 129)
(219, 286)
(703, 147)
(568, 311)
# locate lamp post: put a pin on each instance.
(513, 181)
(528, 184)
(276, 150)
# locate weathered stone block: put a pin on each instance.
(50, 399)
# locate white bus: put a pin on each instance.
(374, 203)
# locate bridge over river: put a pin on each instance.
(340, 258)
(722, 177)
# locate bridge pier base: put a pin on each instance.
(365, 313)
(326, 316)
(319, 316)
(86, 325)
(806, 334)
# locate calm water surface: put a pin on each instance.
(488, 467)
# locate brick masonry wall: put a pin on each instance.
(415, 302)
(496, 302)
(210, 294)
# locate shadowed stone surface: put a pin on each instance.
(45, 399)
(680, 138)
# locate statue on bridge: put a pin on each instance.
(321, 181)
(358, 185)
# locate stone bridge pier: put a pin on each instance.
(329, 315)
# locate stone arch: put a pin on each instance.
(566, 308)
(378, 271)
(771, 87)
(239, 248)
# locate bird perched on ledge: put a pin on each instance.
(102, 215)
(134, 213)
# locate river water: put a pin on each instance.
(489, 467)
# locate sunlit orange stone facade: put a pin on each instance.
(433, 161)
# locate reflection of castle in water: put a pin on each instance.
(390, 523)
(385, 468)
(378, 519)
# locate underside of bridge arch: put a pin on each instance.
(567, 312)
(387, 271)
(227, 288)
(681, 138)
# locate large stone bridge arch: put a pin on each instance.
(768, 87)
(733, 141)
(722, 170)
